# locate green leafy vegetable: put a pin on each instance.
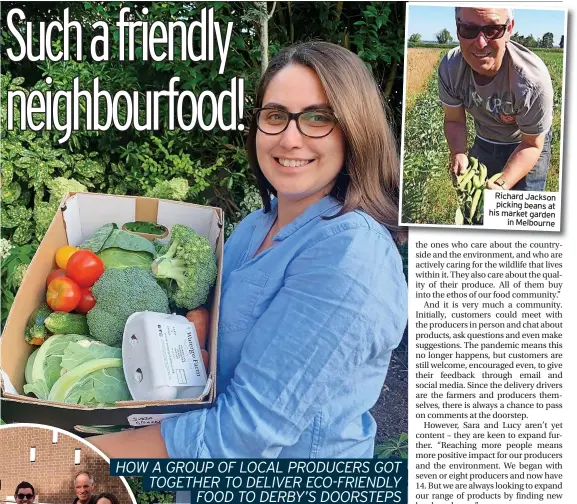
(76, 369)
(46, 365)
(145, 227)
(82, 351)
(97, 382)
(29, 364)
(119, 258)
(98, 239)
(109, 236)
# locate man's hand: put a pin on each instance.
(459, 164)
(500, 184)
(521, 160)
(495, 187)
(455, 128)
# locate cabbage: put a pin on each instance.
(85, 350)
(45, 368)
(29, 364)
(38, 388)
(109, 236)
(97, 382)
(76, 369)
(120, 249)
(120, 258)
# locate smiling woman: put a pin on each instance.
(298, 166)
(314, 298)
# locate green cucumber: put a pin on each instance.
(67, 323)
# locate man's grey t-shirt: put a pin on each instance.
(518, 100)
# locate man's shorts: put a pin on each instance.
(495, 157)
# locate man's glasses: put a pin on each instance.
(491, 32)
(22, 496)
(311, 123)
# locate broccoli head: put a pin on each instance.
(159, 247)
(119, 293)
(188, 268)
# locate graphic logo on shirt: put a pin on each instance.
(507, 118)
(499, 105)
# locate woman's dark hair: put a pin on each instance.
(369, 178)
(111, 497)
(24, 484)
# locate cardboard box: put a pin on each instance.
(80, 215)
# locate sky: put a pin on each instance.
(428, 20)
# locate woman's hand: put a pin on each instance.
(146, 442)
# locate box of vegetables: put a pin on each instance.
(116, 320)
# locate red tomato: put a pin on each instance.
(84, 267)
(55, 274)
(87, 301)
(62, 294)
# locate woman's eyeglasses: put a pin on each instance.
(491, 32)
(311, 123)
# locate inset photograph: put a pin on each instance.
(123, 309)
(43, 465)
(483, 113)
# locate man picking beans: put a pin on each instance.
(508, 91)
